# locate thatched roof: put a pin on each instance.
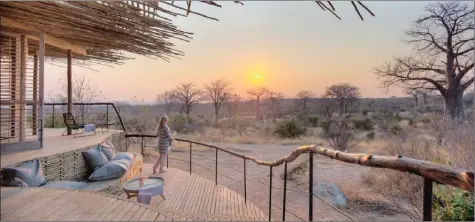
(99, 31)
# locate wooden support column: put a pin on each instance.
(70, 87)
(22, 106)
(41, 67)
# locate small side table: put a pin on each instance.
(132, 187)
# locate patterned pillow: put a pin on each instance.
(29, 172)
(108, 149)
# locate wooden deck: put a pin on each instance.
(55, 143)
(190, 194)
(189, 198)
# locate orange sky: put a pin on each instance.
(292, 45)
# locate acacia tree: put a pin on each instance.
(189, 96)
(166, 101)
(82, 92)
(258, 94)
(443, 55)
(274, 101)
(232, 103)
(218, 92)
(344, 94)
(414, 93)
(305, 97)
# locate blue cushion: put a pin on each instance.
(14, 182)
(30, 172)
(95, 158)
(65, 184)
(108, 149)
(124, 156)
(111, 170)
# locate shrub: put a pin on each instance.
(308, 120)
(313, 121)
(363, 124)
(339, 135)
(394, 128)
(454, 205)
(58, 121)
(423, 119)
(290, 129)
(178, 123)
(370, 135)
(325, 124)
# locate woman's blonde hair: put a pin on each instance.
(163, 119)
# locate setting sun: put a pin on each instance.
(257, 79)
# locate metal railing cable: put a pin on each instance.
(238, 182)
(278, 188)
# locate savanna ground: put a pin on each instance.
(372, 194)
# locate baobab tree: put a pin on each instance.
(443, 55)
(217, 92)
(189, 96)
(305, 97)
(166, 101)
(344, 94)
(258, 94)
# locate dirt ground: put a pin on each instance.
(230, 174)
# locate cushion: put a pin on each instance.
(65, 184)
(14, 182)
(125, 162)
(124, 156)
(108, 149)
(30, 172)
(95, 158)
(111, 170)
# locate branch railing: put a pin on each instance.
(106, 112)
(431, 172)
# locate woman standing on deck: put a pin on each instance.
(164, 142)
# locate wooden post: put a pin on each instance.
(270, 194)
(191, 147)
(22, 107)
(427, 200)
(41, 85)
(70, 87)
(310, 187)
(245, 184)
(285, 192)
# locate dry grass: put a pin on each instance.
(249, 131)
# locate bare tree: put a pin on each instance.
(166, 101)
(443, 58)
(82, 92)
(274, 101)
(189, 96)
(414, 93)
(258, 94)
(218, 92)
(304, 98)
(344, 94)
(232, 103)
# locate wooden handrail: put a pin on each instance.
(463, 179)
